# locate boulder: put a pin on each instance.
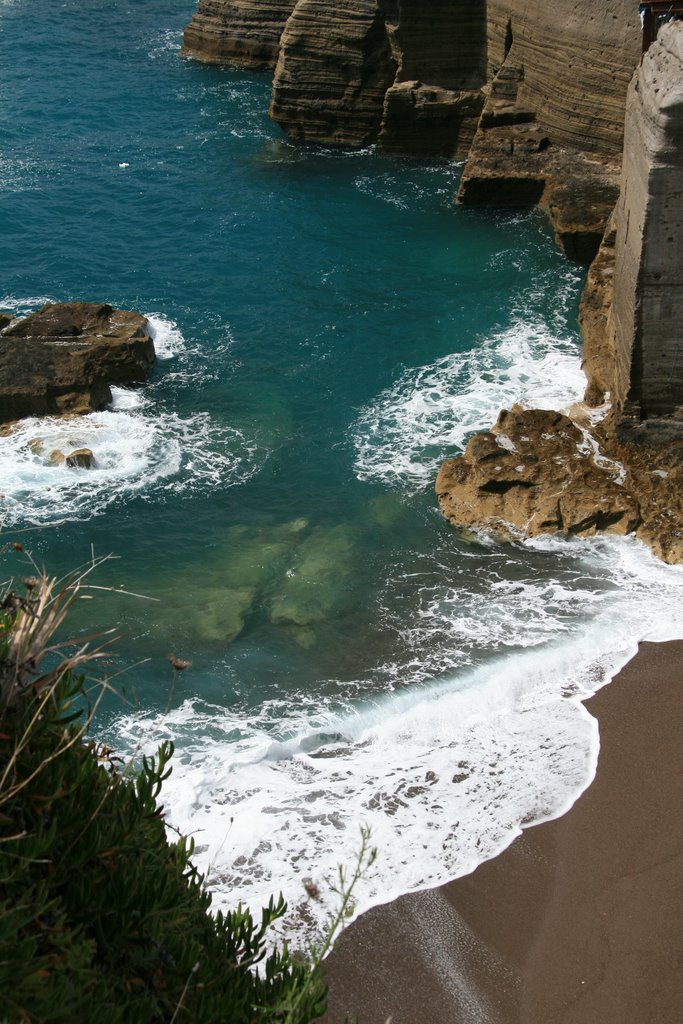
(63, 358)
(5, 320)
(536, 472)
(81, 458)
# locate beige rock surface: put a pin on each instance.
(334, 68)
(578, 57)
(245, 32)
(408, 74)
(534, 473)
(538, 471)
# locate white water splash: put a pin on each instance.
(445, 774)
(402, 438)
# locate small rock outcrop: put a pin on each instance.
(539, 471)
(63, 358)
(535, 472)
(81, 458)
(244, 32)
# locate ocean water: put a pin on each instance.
(329, 326)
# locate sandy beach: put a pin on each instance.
(579, 921)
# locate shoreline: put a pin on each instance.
(578, 921)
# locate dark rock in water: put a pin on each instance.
(63, 358)
(81, 458)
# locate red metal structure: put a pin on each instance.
(654, 14)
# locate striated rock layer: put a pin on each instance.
(245, 32)
(578, 57)
(552, 127)
(334, 68)
(63, 358)
(406, 73)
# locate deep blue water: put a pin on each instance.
(332, 326)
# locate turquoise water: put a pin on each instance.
(329, 326)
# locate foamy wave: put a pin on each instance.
(403, 437)
(22, 307)
(445, 774)
(135, 453)
(166, 335)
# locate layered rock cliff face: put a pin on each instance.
(334, 68)
(578, 57)
(543, 86)
(245, 32)
(551, 130)
(402, 72)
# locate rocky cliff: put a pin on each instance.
(578, 57)
(334, 68)
(401, 72)
(245, 32)
(531, 94)
(539, 471)
(645, 327)
(552, 126)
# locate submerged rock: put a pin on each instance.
(318, 582)
(63, 358)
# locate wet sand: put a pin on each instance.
(579, 921)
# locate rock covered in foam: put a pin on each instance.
(80, 458)
(63, 358)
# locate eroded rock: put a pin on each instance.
(538, 471)
(80, 458)
(63, 358)
(534, 473)
(245, 32)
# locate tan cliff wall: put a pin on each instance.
(334, 68)
(245, 32)
(406, 72)
(409, 72)
(645, 328)
(578, 57)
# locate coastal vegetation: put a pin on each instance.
(101, 916)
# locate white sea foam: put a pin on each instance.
(166, 335)
(136, 452)
(445, 774)
(431, 411)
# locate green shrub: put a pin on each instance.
(101, 918)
